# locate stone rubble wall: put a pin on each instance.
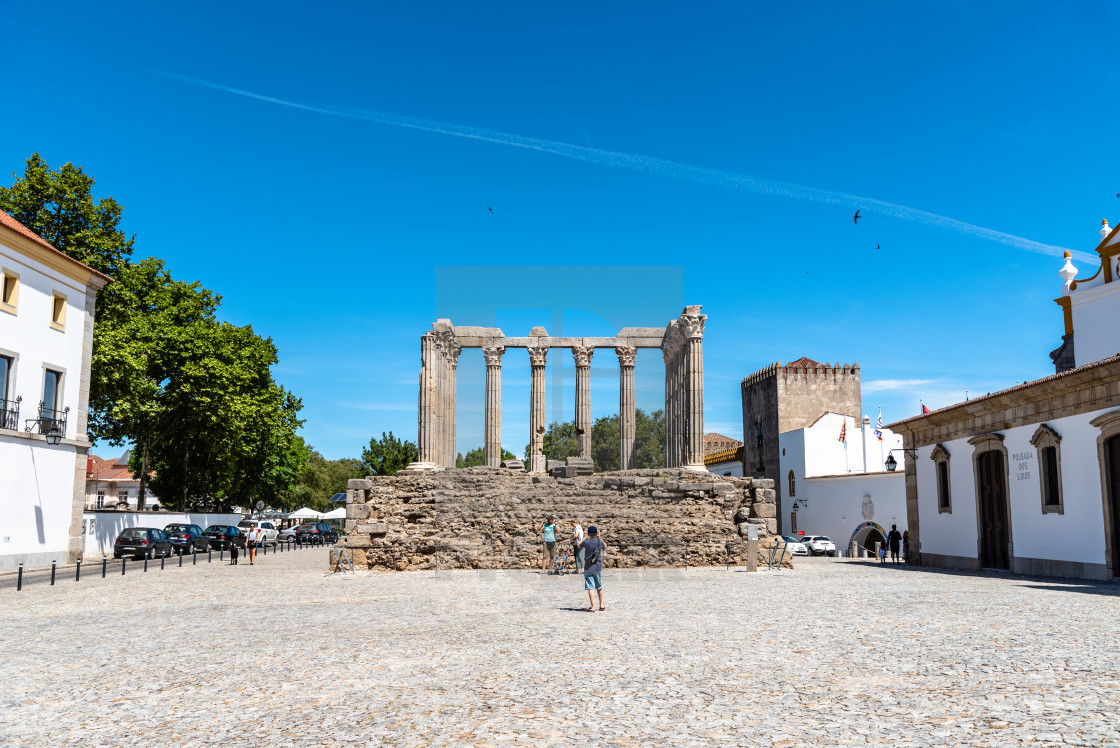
(486, 518)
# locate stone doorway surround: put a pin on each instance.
(990, 468)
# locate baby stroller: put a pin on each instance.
(561, 564)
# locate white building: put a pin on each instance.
(841, 487)
(46, 338)
(1028, 479)
(111, 484)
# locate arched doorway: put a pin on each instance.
(867, 535)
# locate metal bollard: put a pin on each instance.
(194, 557)
(78, 571)
(209, 554)
(162, 558)
(180, 560)
(145, 563)
(52, 572)
(104, 564)
(19, 579)
(123, 561)
(221, 553)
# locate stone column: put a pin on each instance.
(453, 351)
(582, 356)
(626, 415)
(493, 446)
(439, 403)
(692, 326)
(538, 357)
(425, 434)
(668, 410)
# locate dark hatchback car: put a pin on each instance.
(222, 537)
(316, 532)
(185, 538)
(141, 542)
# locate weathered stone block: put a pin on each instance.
(766, 511)
(743, 514)
(764, 483)
(359, 484)
(372, 528)
(767, 495)
(357, 511)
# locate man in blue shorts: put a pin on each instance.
(593, 550)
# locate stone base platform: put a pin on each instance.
(487, 518)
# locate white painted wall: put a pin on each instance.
(834, 506)
(35, 501)
(38, 480)
(102, 528)
(1076, 535)
(732, 467)
(1095, 332)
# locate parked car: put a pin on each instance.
(287, 533)
(185, 538)
(819, 545)
(316, 532)
(794, 546)
(142, 542)
(268, 528)
(224, 536)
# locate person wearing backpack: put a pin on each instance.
(593, 550)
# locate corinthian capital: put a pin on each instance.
(692, 325)
(626, 355)
(582, 355)
(452, 351)
(538, 355)
(493, 355)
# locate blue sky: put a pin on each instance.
(711, 155)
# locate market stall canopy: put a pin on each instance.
(306, 513)
(339, 513)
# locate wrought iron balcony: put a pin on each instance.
(9, 413)
(51, 423)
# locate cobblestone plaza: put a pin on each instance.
(832, 653)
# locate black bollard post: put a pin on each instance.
(19, 579)
(180, 560)
(123, 562)
(221, 553)
(52, 572)
(104, 564)
(194, 557)
(145, 563)
(78, 571)
(209, 554)
(162, 558)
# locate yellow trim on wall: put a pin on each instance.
(58, 311)
(70, 268)
(1067, 312)
(9, 291)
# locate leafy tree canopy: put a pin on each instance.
(477, 457)
(321, 479)
(59, 206)
(387, 455)
(649, 432)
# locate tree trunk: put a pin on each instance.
(142, 494)
(186, 483)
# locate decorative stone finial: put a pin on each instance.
(1068, 273)
(1105, 229)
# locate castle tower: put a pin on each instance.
(779, 398)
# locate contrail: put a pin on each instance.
(659, 167)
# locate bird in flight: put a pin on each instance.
(489, 209)
(855, 218)
(877, 246)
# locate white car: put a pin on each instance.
(268, 528)
(794, 546)
(819, 545)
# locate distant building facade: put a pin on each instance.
(111, 484)
(46, 342)
(1028, 478)
(723, 455)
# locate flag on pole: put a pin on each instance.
(925, 408)
(879, 426)
(844, 432)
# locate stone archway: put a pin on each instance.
(867, 535)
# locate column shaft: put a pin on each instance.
(692, 325)
(667, 412)
(425, 434)
(440, 401)
(582, 357)
(452, 397)
(537, 360)
(626, 415)
(493, 445)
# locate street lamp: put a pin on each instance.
(892, 463)
(54, 436)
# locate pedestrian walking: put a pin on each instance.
(906, 546)
(575, 539)
(253, 538)
(593, 549)
(883, 553)
(893, 540)
(547, 529)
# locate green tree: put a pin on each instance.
(649, 441)
(387, 455)
(477, 457)
(59, 206)
(320, 479)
